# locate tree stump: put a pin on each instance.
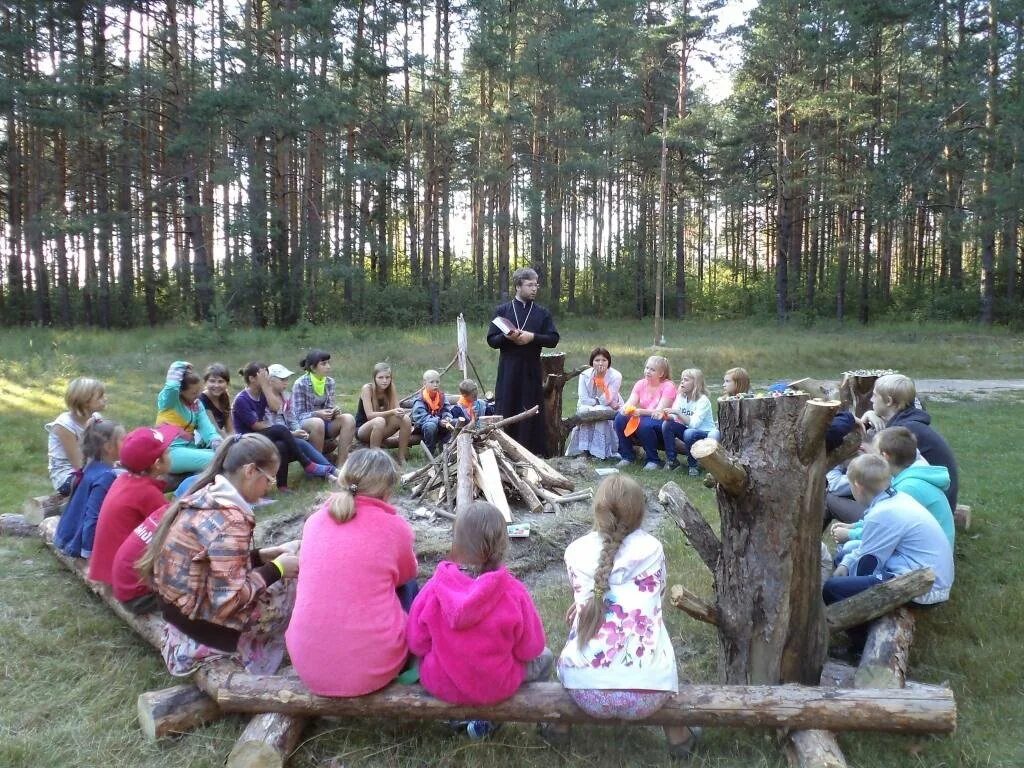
(770, 468)
(855, 390)
(555, 378)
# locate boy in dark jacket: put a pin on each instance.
(893, 400)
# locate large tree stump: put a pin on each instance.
(555, 378)
(770, 496)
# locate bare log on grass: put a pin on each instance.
(267, 742)
(791, 706)
(174, 710)
(884, 661)
(692, 523)
(17, 525)
(814, 749)
(878, 600)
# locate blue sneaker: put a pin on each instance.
(320, 470)
(477, 730)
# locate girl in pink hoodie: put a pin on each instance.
(474, 625)
(357, 564)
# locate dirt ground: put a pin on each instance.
(537, 559)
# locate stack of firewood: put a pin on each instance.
(482, 460)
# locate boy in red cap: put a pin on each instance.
(133, 496)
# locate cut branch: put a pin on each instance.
(690, 604)
(730, 474)
(587, 417)
(174, 710)
(846, 450)
(883, 664)
(692, 523)
(814, 422)
(878, 600)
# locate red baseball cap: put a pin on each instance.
(143, 446)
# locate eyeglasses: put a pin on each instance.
(267, 476)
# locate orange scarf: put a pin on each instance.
(433, 400)
(599, 384)
(467, 406)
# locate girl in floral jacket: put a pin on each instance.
(218, 594)
(618, 661)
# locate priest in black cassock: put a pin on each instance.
(520, 385)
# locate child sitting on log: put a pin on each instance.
(253, 412)
(899, 536)
(431, 414)
(285, 416)
(178, 405)
(735, 381)
(912, 475)
(219, 596)
(893, 399)
(76, 530)
(357, 580)
(618, 661)
(689, 418)
(470, 406)
(145, 457)
(85, 399)
(216, 399)
(474, 625)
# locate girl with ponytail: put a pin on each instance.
(219, 595)
(618, 661)
(357, 579)
(474, 625)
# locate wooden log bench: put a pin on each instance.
(266, 741)
(917, 710)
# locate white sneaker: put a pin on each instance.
(624, 463)
(651, 465)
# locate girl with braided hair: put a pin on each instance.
(618, 661)
(357, 579)
(474, 625)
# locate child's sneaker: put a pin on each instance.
(673, 465)
(320, 470)
(693, 472)
(478, 730)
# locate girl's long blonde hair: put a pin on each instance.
(234, 453)
(367, 472)
(699, 387)
(618, 511)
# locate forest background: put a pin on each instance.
(274, 162)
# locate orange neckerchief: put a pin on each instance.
(467, 406)
(599, 384)
(433, 400)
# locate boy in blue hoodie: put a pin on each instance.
(893, 399)
(899, 536)
(912, 475)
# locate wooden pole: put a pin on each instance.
(17, 525)
(794, 706)
(267, 742)
(464, 477)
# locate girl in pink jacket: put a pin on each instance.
(347, 632)
(474, 625)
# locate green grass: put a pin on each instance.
(71, 673)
